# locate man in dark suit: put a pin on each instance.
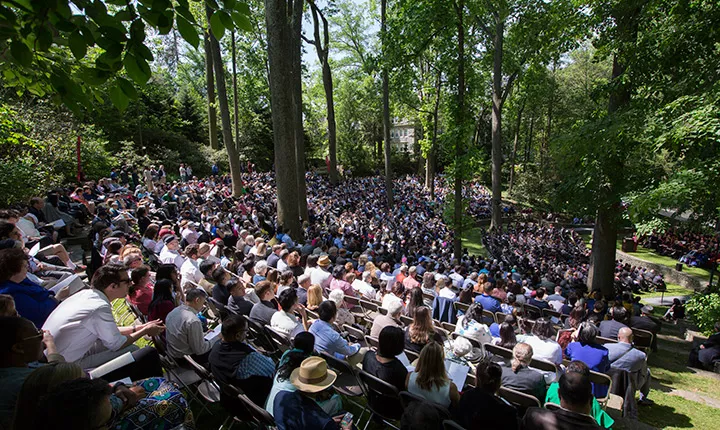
(610, 328)
(575, 399)
(646, 322)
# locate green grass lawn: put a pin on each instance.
(652, 257)
(125, 318)
(472, 240)
(672, 290)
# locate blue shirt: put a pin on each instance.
(596, 358)
(31, 300)
(329, 341)
(294, 411)
(255, 364)
(489, 303)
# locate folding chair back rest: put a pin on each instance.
(407, 398)
(383, 398)
(498, 351)
(353, 332)
(372, 342)
(598, 378)
(522, 400)
(200, 370)
(259, 415)
(462, 307)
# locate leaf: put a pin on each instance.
(165, 21)
(77, 45)
(24, 4)
(137, 69)
(242, 22)
(229, 4)
(127, 88)
(185, 13)
(119, 98)
(44, 38)
(218, 29)
(226, 20)
(187, 31)
(243, 8)
(94, 76)
(21, 53)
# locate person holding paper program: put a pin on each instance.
(430, 379)
(86, 333)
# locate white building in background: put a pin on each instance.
(403, 135)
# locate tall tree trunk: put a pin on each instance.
(210, 82)
(531, 134)
(322, 48)
(548, 126)
(432, 153)
(297, 16)
(235, 92)
(518, 123)
(602, 262)
(281, 55)
(496, 220)
(386, 108)
(460, 143)
(219, 68)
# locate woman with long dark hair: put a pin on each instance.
(421, 331)
(415, 300)
(162, 302)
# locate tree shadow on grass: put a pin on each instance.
(663, 416)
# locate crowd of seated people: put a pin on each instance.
(689, 247)
(203, 248)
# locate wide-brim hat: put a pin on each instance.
(324, 261)
(313, 375)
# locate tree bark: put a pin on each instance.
(530, 139)
(209, 80)
(219, 68)
(460, 144)
(432, 155)
(297, 15)
(602, 262)
(386, 108)
(278, 19)
(518, 122)
(496, 220)
(322, 48)
(235, 92)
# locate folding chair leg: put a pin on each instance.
(189, 391)
(368, 421)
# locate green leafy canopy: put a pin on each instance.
(69, 48)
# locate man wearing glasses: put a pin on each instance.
(21, 344)
(85, 331)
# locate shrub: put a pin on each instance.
(704, 310)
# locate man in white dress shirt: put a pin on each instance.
(170, 253)
(85, 331)
(190, 269)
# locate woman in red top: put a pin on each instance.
(141, 292)
(162, 302)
